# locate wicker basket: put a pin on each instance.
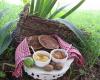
(32, 25)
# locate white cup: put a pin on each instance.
(41, 63)
(61, 61)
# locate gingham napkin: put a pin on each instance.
(23, 50)
(72, 51)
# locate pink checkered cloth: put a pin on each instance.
(72, 51)
(23, 50)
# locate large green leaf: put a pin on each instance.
(39, 6)
(32, 7)
(7, 26)
(42, 8)
(2, 12)
(80, 35)
(5, 36)
(38, 3)
(48, 6)
(57, 11)
(72, 10)
(5, 43)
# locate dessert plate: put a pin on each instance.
(39, 73)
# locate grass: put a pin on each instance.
(87, 20)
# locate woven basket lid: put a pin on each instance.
(48, 42)
(34, 42)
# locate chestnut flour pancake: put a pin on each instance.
(48, 42)
(34, 42)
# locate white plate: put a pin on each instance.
(39, 73)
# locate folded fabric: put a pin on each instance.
(72, 51)
(23, 50)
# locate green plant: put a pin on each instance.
(2, 74)
(43, 8)
(9, 51)
(5, 34)
(2, 13)
(93, 52)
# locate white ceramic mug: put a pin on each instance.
(41, 63)
(62, 61)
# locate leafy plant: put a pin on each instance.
(9, 51)
(5, 35)
(2, 13)
(2, 74)
(43, 8)
(93, 52)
